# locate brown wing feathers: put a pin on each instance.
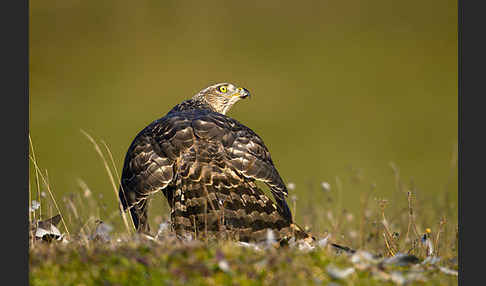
(206, 165)
(250, 157)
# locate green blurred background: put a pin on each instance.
(336, 86)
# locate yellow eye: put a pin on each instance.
(223, 89)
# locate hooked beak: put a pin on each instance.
(244, 93)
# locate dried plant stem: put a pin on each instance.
(294, 205)
(364, 203)
(389, 241)
(31, 229)
(36, 178)
(339, 187)
(117, 176)
(98, 150)
(396, 174)
(411, 215)
(441, 228)
(388, 246)
(452, 167)
(76, 214)
(50, 193)
(30, 203)
(338, 211)
(388, 237)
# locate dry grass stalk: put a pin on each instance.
(389, 240)
(98, 150)
(396, 174)
(364, 204)
(50, 193)
(338, 219)
(294, 205)
(30, 204)
(411, 216)
(388, 247)
(452, 167)
(36, 179)
(441, 228)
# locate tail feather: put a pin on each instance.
(243, 212)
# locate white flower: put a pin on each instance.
(223, 265)
(326, 186)
(35, 206)
(291, 186)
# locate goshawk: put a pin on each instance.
(207, 164)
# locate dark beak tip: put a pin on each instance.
(246, 94)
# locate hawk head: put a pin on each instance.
(221, 96)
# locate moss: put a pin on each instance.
(152, 264)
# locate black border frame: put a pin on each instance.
(16, 69)
(471, 73)
(15, 118)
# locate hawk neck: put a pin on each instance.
(192, 105)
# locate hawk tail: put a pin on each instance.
(241, 212)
